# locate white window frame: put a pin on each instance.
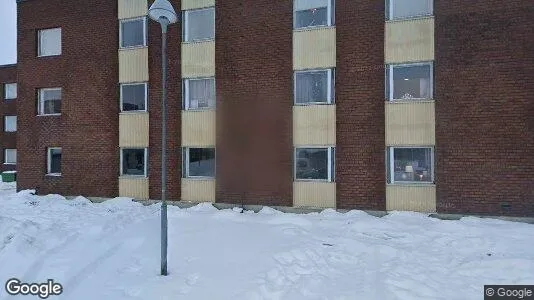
(49, 161)
(186, 100)
(145, 167)
(5, 157)
(389, 77)
(145, 33)
(331, 150)
(391, 170)
(39, 52)
(5, 90)
(146, 97)
(5, 124)
(389, 14)
(40, 111)
(330, 89)
(185, 30)
(186, 163)
(330, 21)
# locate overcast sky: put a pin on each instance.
(8, 32)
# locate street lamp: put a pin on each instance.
(162, 12)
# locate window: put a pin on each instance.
(10, 156)
(314, 87)
(199, 24)
(199, 93)
(49, 42)
(54, 161)
(134, 162)
(403, 9)
(133, 33)
(134, 97)
(314, 164)
(408, 82)
(10, 123)
(410, 165)
(10, 91)
(310, 13)
(49, 101)
(199, 162)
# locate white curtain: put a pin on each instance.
(50, 42)
(200, 24)
(309, 4)
(201, 93)
(410, 8)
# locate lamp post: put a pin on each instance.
(162, 12)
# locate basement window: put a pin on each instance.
(10, 156)
(409, 82)
(134, 97)
(199, 24)
(199, 93)
(134, 162)
(10, 123)
(198, 162)
(410, 165)
(314, 87)
(314, 163)
(49, 41)
(312, 13)
(133, 33)
(404, 9)
(54, 162)
(49, 101)
(10, 91)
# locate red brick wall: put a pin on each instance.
(8, 74)
(254, 101)
(360, 151)
(87, 70)
(484, 109)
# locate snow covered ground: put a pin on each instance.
(111, 251)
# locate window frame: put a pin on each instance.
(330, 89)
(185, 95)
(39, 51)
(49, 161)
(145, 162)
(185, 163)
(391, 166)
(5, 156)
(145, 32)
(330, 10)
(390, 86)
(389, 12)
(185, 27)
(5, 123)
(40, 102)
(121, 97)
(331, 168)
(5, 90)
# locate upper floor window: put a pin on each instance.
(10, 91)
(409, 82)
(134, 97)
(199, 93)
(314, 87)
(199, 24)
(10, 123)
(133, 33)
(49, 101)
(310, 13)
(404, 9)
(198, 162)
(314, 163)
(49, 42)
(410, 164)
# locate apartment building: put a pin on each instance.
(379, 105)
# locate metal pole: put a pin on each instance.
(164, 22)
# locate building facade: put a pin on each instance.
(8, 110)
(379, 105)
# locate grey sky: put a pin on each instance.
(8, 32)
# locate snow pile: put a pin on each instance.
(111, 251)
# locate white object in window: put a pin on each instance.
(410, 165)
(10, 156)
(133, 33)
(10, 123)
(405, 9)
(10, 91)
(49, 42)
(312, 13)
(54, 162)
(314, 163)
(50, 101)
(134, 97)
(410, 81)
(134, 161)
(199, 24)
(199, 93)
(198, 162)
(314, 87)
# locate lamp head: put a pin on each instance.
(162, 9)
